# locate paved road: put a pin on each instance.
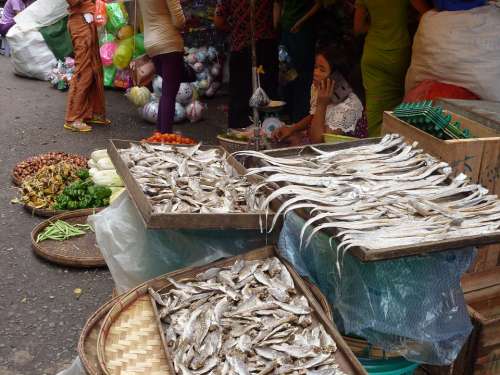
(40, 315)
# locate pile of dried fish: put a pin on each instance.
(380, 195)
(244, 319)
(189, 180)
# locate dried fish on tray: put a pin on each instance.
(245, 318)
(205, 186)
(382, 199)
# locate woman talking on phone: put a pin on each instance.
(334, 107)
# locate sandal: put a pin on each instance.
(99, 121)
(77, 127)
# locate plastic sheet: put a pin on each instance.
(413, 305)
(134, 254)
(76, 368)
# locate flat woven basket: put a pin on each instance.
(231, 145)
(130, 339)
(87, 344)
(42, 212)
(80, 252)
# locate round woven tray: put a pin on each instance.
(87, 344)
(81, 251)
(231, 145)
(42, 212)
(130, 340)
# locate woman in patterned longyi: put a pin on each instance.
(334, 107)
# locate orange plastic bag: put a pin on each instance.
(100, 13)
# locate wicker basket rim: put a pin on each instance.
(66, 260)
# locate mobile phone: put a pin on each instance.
(341, 90)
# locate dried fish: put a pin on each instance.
(190, 180)
(377, 196)
(216, 325)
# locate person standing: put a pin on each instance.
(11, 9)
(163, 22)
(233, 16)
(298, 35)
(386, 53)
(86, 104)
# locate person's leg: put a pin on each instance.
(240, 88)
(79, 105)
(5, 27)
(267, 56)
(97, 92)
(157, 61)
(171, 69)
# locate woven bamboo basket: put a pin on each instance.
(131, 341)
(231, 145)
(42, 212)
(87, 343)
(80, 252)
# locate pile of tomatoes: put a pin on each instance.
(176, 139)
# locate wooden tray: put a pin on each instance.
(345, 357)
(377, 254)
(181, 220)
(80, 252)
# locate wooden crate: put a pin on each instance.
(478, 158)
(482, 294)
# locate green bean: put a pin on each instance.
(61, 231)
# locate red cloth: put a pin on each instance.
(430, 90)
(237, 15)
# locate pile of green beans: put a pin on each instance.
(61, 231)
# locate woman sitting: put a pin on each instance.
(334, 107)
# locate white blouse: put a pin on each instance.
(343, 116)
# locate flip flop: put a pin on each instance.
(101, 122)
(83, 128)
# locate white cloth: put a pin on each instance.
(343, 116)
(460, 48)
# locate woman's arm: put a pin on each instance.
(316, 7)
(281, 134)
(176, 14)
(361, 20)
(421, 6)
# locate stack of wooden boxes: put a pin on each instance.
(479, 158)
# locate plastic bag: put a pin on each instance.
(109, 75)
(41, 13)
(106, 38)
(139, 45)
(125, 32)
(107, 51)
(29, 54)
(117, 17)
(123, 79)
(413, 305)
(139, 96)
(123, 53)
(100, 13)
(180, 112)
(135, 254)
(194, 111)
(185, 93)
(259, 98)
(150, 112)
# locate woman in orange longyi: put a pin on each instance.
(85, 105)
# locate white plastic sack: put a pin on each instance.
(135, 254)
(30, 55)
(41, 13)
(460, 48)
